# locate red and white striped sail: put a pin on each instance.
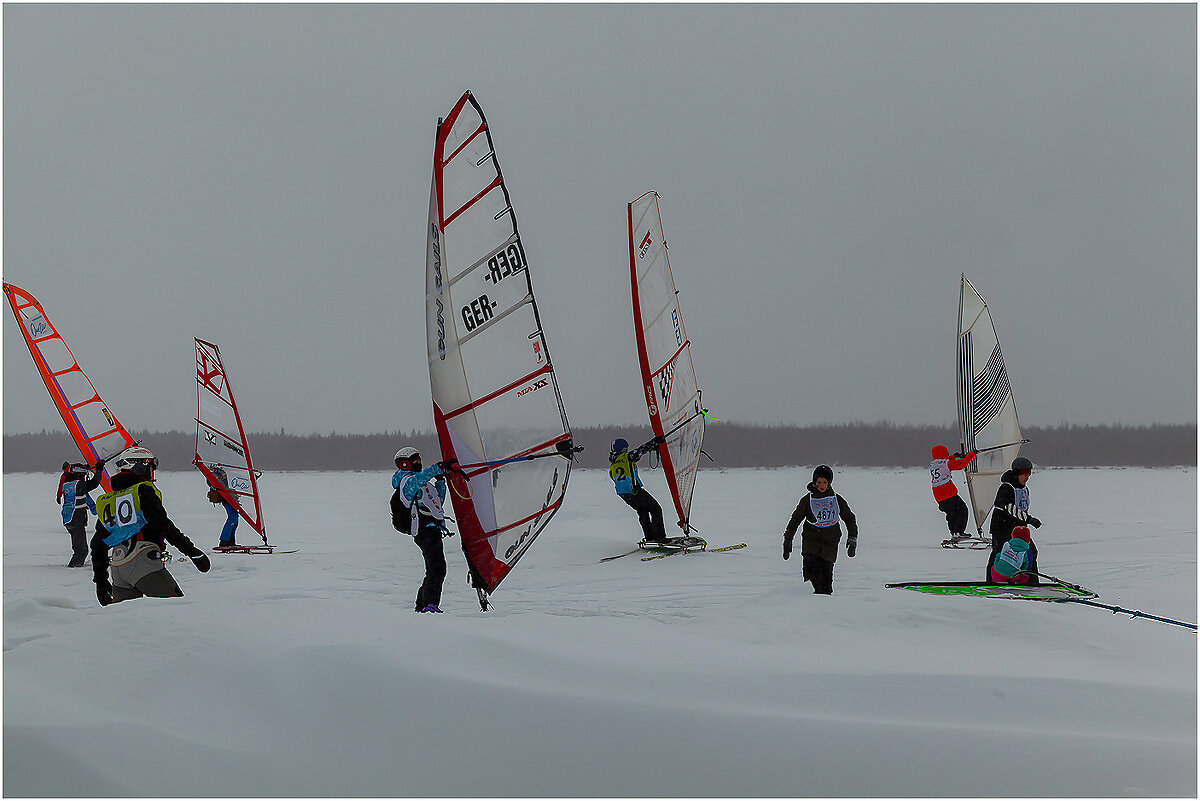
(495, 396)
(96, 431)
(665, 354)
(221, 439)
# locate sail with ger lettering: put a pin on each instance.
(496, 402)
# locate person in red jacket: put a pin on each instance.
(944, 491)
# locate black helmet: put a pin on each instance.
(1021, 463)
(823, 471)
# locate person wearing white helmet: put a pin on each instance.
(132, 532)
(1011, 509)
(417, 511)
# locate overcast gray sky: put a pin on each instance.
(258, 176)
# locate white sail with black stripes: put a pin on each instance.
(496, 404)
(987, 412)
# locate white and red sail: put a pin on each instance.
(669, 384)
(221, 439)
(496, 403)
(96, 431)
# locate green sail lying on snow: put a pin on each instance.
(1032, 592)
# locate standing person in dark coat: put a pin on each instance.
(944, 491)
(132, 522)
(73, 489)
(1011, 509)
(820, 511)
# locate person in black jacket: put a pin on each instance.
(132, 523)
(821, 510)
(1011, 509)
(73, 489)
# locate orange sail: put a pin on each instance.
(97, 433)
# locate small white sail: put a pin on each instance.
(987, 412)
(221, 446)
(669, 384)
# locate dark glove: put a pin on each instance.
(787, 547)
(99, 465)
(448, 466)
(958, 454)
(851, 546)
(659, 440)
(201, 562)
(104, 593)
(1033, 521)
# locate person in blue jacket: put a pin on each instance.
(417, 511)
(622, 469)
(229, 531)
(73, 489)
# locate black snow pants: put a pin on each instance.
(429, 540)
(77, 528)
(649, 513)
(956, 513)
(819, 572)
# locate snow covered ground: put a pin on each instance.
(697, 675)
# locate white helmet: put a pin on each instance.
(136, 459)
(407, 457)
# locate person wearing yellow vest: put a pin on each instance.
(622, 469)
(132, 532)
(820, 511)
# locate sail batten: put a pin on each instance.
(496, 403)
(671, 391)
(96, 431)
(222, 450)
(987, 411)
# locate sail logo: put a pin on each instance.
(240, 484)
(651, 401)
(537, 351)
(210, 438)
(642, 248)
(435, 250)
(541, 382)
(206, 373)
(477, 312)
(38, 326)
(505, 262)
(664, 381)
(235, 448)
(108, 416)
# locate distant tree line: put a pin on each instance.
(729, 444)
